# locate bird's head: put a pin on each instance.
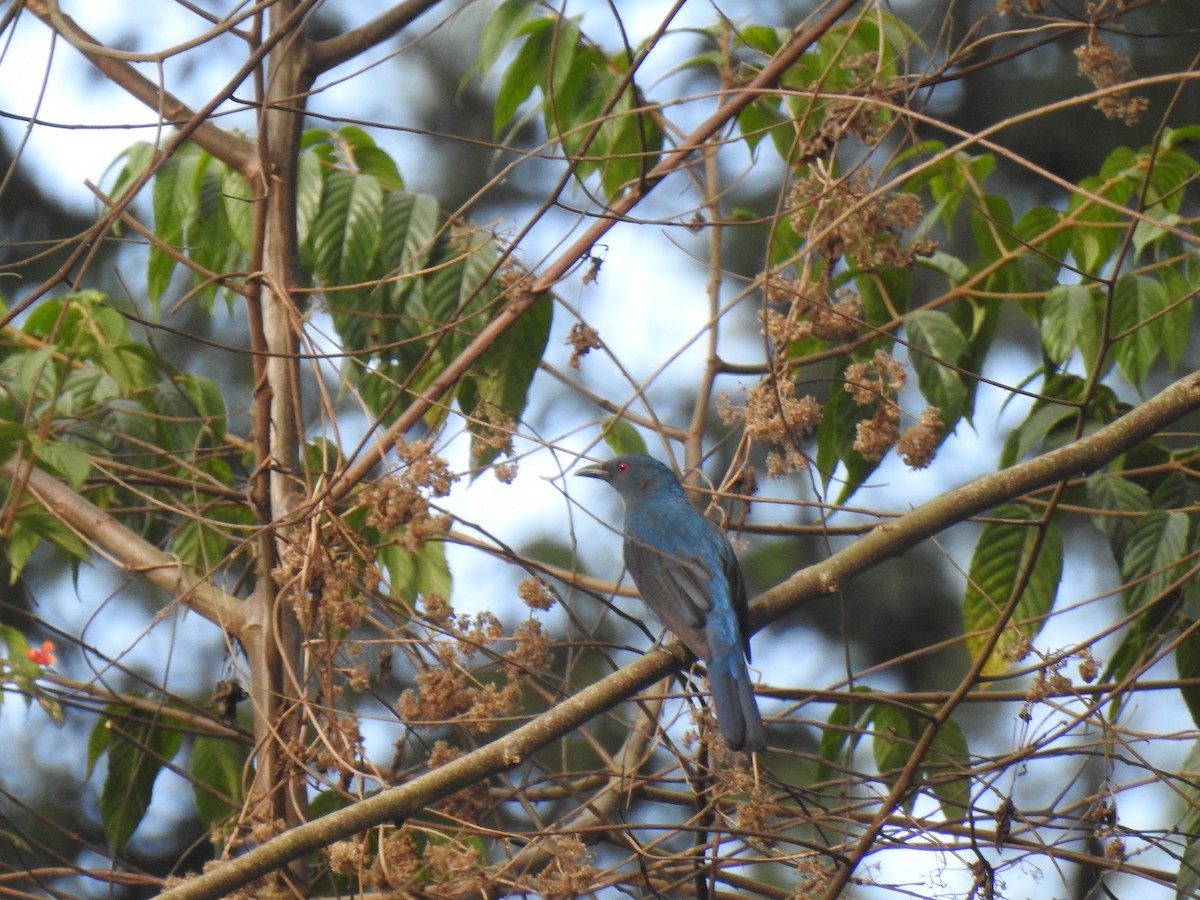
(635, 475)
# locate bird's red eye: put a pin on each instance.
(622, 466)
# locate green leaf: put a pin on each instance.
(1139, 336)
(528, 70)
(763, 117)
(410, 224)
(1043, 421)
(412, 574)
(34, 524)
(220, 764)
(132, 770)
(1128, 501)
(1154, 227)
(501, 29)
(498, 386)
(65, 460)
(199, 545)
(622, 436)
(939, 346)
(1004, 554)
(895, 733)
(844, 731)
(1177, 323)
(835, 444)
(947, 766)
(1156, 545)
(174, 205)
(1187, 663)
(17, 644)
(239, 201)
(1071, 322)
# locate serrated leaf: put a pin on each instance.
(65, 460)
(1177, 324)
(895, 732)
(310, 186)
(1033, 433)
(1157, 543)
(1002, 557)
(1136, 302)
(1113, 493)
(1187, 663)
(940, 347)
(498, 386)
(239, 201)
(1070, 323)
(174, 204)
(528, 70)
(199, 545)
(410, 224)
(220, 764)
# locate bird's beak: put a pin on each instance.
(595, 472)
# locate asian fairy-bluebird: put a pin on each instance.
(688, 575)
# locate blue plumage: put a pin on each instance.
(688, 575)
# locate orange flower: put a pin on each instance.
(44, 655)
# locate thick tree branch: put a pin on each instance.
(334, 51)
(127, 550)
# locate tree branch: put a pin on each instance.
(126, 549)
(235, 152)
(334, 51)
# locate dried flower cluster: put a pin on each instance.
(339, 746)
(774, 413)
(1105, 67)
(568, 874)
(919, 443)
(492, 429)
(536, 593)
(875, 384)
(399, 503)
(810, 313)
(583, 340)
(846, 217)
(447, 690)
(327, 582)
(851, 115)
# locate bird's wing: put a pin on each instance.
(677, 587)
(737, 595)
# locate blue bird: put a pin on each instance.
(688, 575)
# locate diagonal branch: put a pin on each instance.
(126, 549)
(333, 51)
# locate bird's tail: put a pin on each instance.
(737, 711)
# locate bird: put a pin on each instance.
(688, 575)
